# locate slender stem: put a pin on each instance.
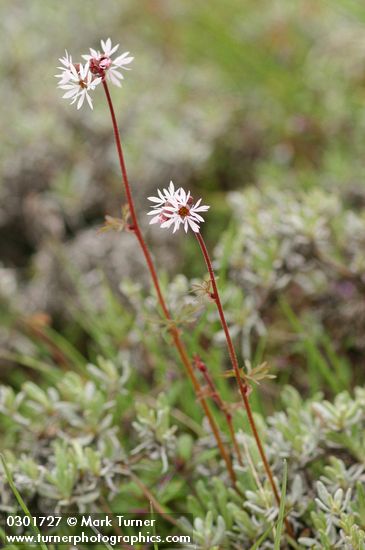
(152, 500)
(242, 385)
(219, 401)
(173, 330)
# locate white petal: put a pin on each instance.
(194, 226)
(196, 217)
(201, 208)
(68, 86)
(116, 73)
(182, 194)
(156, 219)
(81, 101)
(154, 199)
(74, 72)
(121, 57)
(69, 94)
(155, 211)
(174, 201)
(121, 61)
(89, 101)
(113, 79)
(168, 222)
(114, 49)
(84, 70)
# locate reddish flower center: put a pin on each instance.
(82, 82)
(99, 66)
(105, 62)
(184, 211)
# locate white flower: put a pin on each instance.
(78, 81)
(101, 63)
(176, 207)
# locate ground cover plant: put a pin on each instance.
(217, 375)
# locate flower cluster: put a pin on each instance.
(176, 207)
(78, 79)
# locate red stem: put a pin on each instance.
(173, 330)
(220, 403)
(243, 387)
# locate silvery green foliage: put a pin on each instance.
(68, 451)
(325, 495)
(157, 437)
(67, 440)
(335, 520)
(280, 238)
(209, 535)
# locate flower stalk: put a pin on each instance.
(214, 393)
(175, 208)
(173, 330)
(242, 384)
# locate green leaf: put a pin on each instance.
(20, 500)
